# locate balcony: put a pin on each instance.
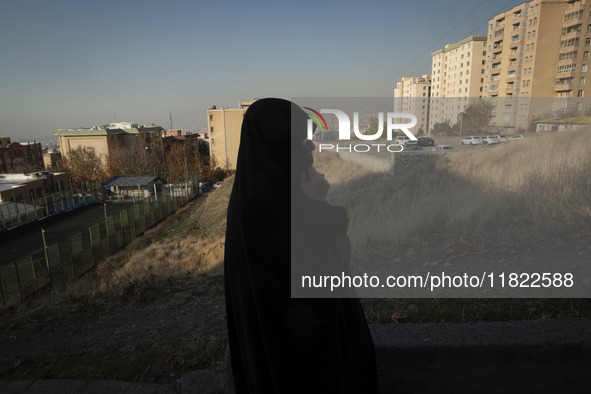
(511, 90)
(573, 34)
(562, 87)
(514, 55)
(569, 48)
(513, 76)
(575, 6)
(566, 61)
(572, 22)
(495, 71)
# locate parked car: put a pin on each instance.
(516, 137)
(425, 141)
(403, 140)
(472, 140)
(501, 138)
(413, 147)
(443, 147)
(491, 140)
(205, 186)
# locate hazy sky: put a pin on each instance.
(78, 63)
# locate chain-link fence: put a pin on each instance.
(71, 257)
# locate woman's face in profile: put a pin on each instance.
(314, 185)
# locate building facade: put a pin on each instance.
(411, 95)
(25, 188)
(533, 52)
(108, 140)
(20, 157)
(224, 126)
(458, 76)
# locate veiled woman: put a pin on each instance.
(280, 344)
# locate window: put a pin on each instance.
(582, 81)
(211, 129)
(533, 34)
(483, 53)
(581, 93)
(584, 68)
(586, 55)
(213, 141)
(210, 116)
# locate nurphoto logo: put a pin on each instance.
(393, 122)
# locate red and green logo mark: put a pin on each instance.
(319, 119)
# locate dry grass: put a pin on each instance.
(538, 185)
(186, 246)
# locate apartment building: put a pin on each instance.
(108, 139)
(458, 76)
(20, 157)
(224, 126)
(525, 44)
(411, 95)
(573, 58)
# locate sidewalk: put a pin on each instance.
(541, 356)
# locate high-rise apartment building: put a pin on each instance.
(573, 55)
(536, 51)
(458, 75)
(411, 95)
(523, 45)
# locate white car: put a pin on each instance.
(499, 137)
(218, 184)
(491, 140)
(516, 137)
(403, 140)
(472, 141)
(443, 147)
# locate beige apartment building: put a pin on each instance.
(224, 126)
(533, 51)
(411, 95)
(458, 76)
(573, 58)
(108, 139)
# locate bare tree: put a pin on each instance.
(85, 166)
(129, 161)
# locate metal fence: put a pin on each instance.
(16, 213)
(71, 257)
